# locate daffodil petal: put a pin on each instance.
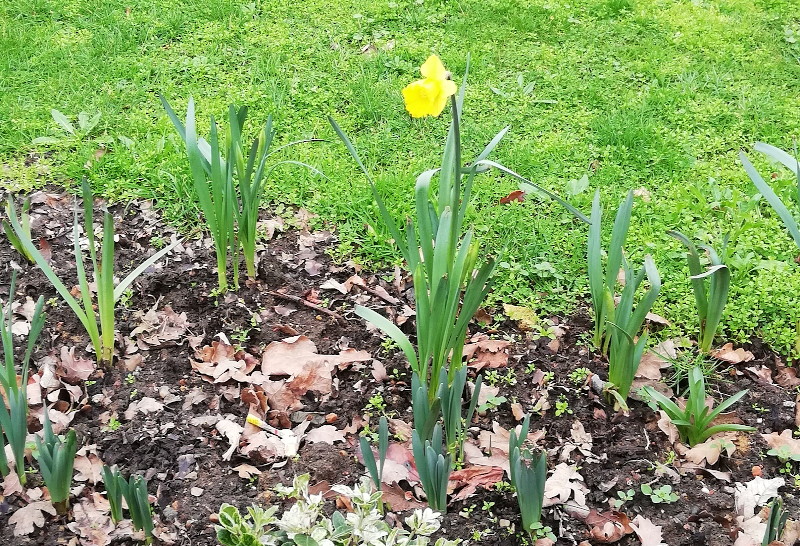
(419, 97)
(433, 69)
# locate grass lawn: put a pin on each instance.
(655, 95)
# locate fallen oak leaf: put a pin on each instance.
(467, 480)
(607, 527)
(733, 356)
(648, 532)
(327, 434)
(27, 518)
(247, 471)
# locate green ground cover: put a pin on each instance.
(657, 95)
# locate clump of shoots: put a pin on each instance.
(56, 457)
(710, 287)
(694, 420)
(14, 418)
(101, 332)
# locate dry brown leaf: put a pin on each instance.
(88, 465)
(668, 427)
(786, 377)
(734, 356)
(290, 356)
(220, 362)
(11, 484)
(326, 434)
(379, 371)
(93, 526)
(247, 471)
(467, 481)
(400, 500)
(783, 441)
(159, 327)
(711, 449)
(647, 531)
(563, 483)
(27, 518)
(483, 352)
(650, 366)
(146, 405)
(607, 527)
(73, 369)
(233, 432)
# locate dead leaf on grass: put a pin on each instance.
(527, 319)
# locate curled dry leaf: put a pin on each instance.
(607, 527)
(93, 526)
(564, 483)
(233, 432)
(483, 352)
(727, 353)
(467, 481)
(220, 362)
(73, 369)
(159, 327)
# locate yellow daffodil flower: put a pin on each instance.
(427, 97)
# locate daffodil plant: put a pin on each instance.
(710, 287)
(101, 333)
(790, 162)
(14, 418)
(229, 188)
(528, 473)
(451, 277)
(25, 223)
(695, 419)
(134, 491)
(56, 457)
(618, 322)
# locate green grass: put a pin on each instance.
(655, 94)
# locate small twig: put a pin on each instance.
(388, 298)
(339, 318)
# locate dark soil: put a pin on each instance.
(184, 464)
